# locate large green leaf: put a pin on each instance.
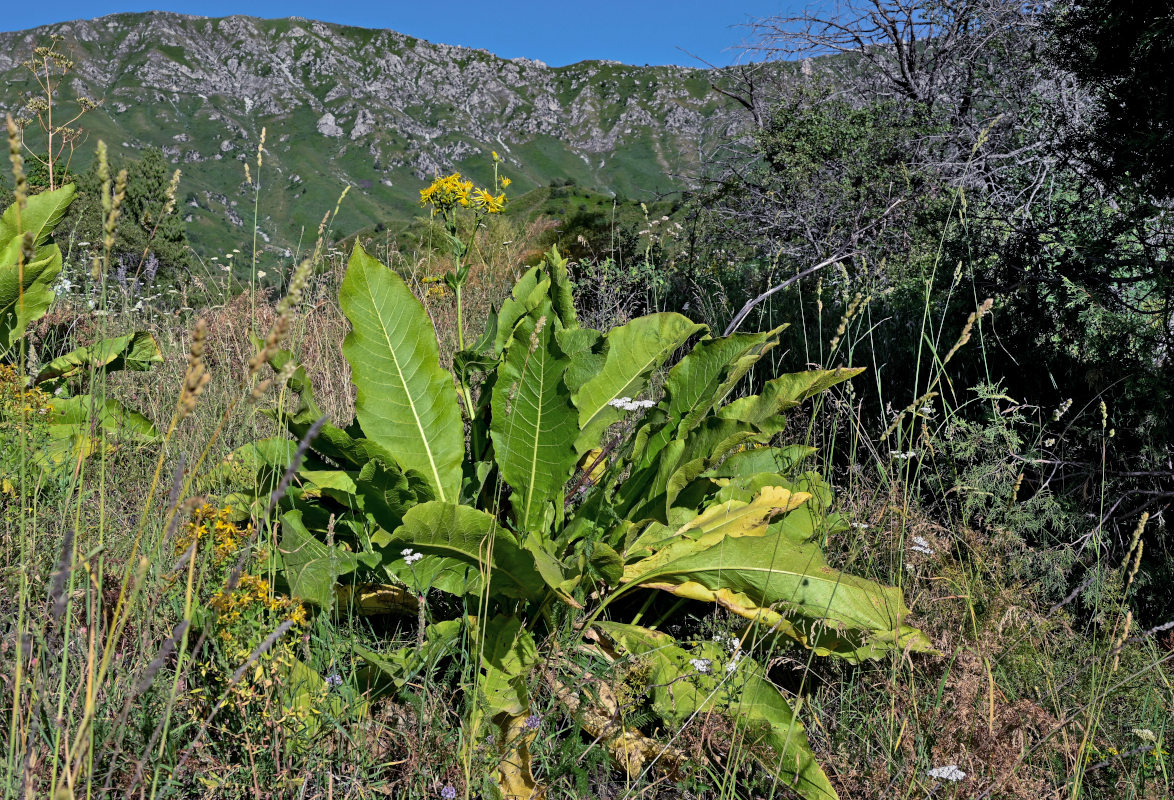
(530, 292)
(587, 350)
(783, 393)
(406, 402)
(634, 351)
(387, 493)
(40, 216)
(25, 293)
(311, 568)
(653, 490)
(733, 684)
(561, 293)
(308, 695)
(788, 587)
(781, 460)
(26, 290)
(534, 423)
(732, 518)
(461, 545)
(508, 656)
(135, 351)
(700, 381)
(85, 414)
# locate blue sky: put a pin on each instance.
(557, 32)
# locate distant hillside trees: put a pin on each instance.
(151, 240)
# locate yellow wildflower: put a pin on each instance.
(505, 182)
(446, 193)
(486, 201)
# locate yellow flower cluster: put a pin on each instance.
(452, 191)
(446, 194)
(488, 202)
(16, 398)
(227, 538)
(24, 428)
(434, 286)
(252, 593)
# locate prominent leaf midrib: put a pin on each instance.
(379, 307)
(841, 580)
(537, 432)
(600, 408)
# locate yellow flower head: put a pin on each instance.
(446, 193)
(505, 182)
(486, 201)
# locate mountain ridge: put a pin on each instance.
(371, 108)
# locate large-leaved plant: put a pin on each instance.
(570, 485)
(78, 423)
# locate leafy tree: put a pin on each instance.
(951, 107)
(151, 238)
(1121, 51)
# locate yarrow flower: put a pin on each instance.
(702, 665)
(410, 556)
(628, 404)
(947, 773)
(921, 545)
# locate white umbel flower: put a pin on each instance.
(947, 773)
(628, 404)
(921, 545)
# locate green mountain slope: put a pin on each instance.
(372, 109)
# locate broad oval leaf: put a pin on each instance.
(634, 351)
(764, 411)
(311, 568)
(25, 294)
(135, 351)
(39, 216)
(680, 692)
(461, 545)
(702, 380)
(87, 414)
(780, 460)
(733, 518)
(788, 586)
(406, 401)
